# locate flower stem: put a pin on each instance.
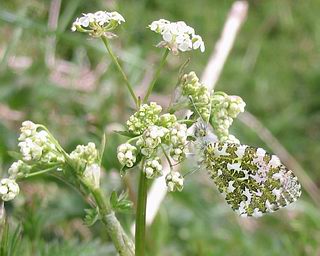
(156, 76)
(122, 242)
(40, 172)
(141, 216)
(116, 62)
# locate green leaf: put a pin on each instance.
(126, 134)
(92, 216)
(15, 155)
(120, 203)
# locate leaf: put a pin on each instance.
(126, 134)
(252, 181)
(92, 216)
(120, 203)
(15, 155)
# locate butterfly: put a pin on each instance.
(252, 181)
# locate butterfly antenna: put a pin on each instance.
(191, 172)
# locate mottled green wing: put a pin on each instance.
(252, 181)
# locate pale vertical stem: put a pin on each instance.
(54, 12)
(236, 18)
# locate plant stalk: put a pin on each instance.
(141, 215)
(120, 239)
(116, 62)
(156, 76)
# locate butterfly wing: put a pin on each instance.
(252, 181)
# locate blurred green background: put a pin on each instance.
(66, 81)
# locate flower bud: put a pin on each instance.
(9, 189)
(18, 169)
(174, 181)
(126, 154)
(146, 115)
(92, 175)
(153, 168)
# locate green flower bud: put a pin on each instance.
(147, 115)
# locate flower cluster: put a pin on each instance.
(38, 145)
(174, 181)
(85, 159)
(178, 140)
(198, 93)
(9, 189)
(85, 154)
(177, 36)
(155, 134)
(153, 168)
(146, 115)
(98, 23)
(18, 169)
(152, 137)
(127, 154)
(224, 109)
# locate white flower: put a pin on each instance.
(9, 189)
(27, 129)
(151, 139)
(177, 36)
(37, 145)
(18, 169)
(174, 181)
(178, 141)
(85, 154)
(153, 168)
(98, 23)
(116, 17)
(92, 175)
(126, 154)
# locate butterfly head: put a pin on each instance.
(203, 133)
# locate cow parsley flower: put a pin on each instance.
(174, 181)
(199, 93)
(18, 169)
(9, 189)
(224, 109)
(148, 114)
(151, 139)
(98, 23)
(126, 154)
(37, 145)
(153, 168)
(178, 141)
(177, 36)
(85, 154)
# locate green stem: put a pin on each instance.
(122, 242)
(116, 62)
(33, 174)
(141, 216)
(156, 76)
